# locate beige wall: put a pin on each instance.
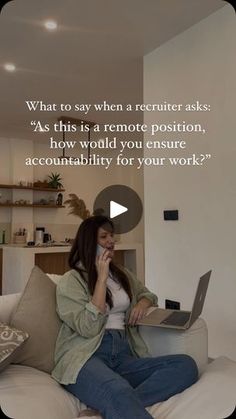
(5, 214)
(198, 64)
(13, 170)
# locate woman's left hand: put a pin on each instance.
(139, 311)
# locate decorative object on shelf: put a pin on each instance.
(77, 206)
(67, 122)
(36, 186)
(3, 237)
(69, 241)
(23, 202)
(43, 201)
(20, 237)
(52, 200)
(59, 200)
(55, 181)
(22, 183)
(47, 238)
(41, 184)
(49, 202)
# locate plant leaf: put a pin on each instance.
(77, 206)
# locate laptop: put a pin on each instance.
(178, 319)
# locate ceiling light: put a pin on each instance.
(50, 25)
(10, 67)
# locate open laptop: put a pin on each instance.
(179, 319)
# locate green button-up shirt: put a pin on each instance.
(83, 325)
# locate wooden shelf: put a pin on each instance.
(33, 205)
(31, 188)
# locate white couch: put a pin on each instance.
(27, 393)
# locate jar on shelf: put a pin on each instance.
(19, 239)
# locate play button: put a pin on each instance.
(120, 203)
(116, 209)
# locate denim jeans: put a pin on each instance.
(120, 386)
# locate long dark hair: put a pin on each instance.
(84, 250)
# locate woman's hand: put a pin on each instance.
(102, 265)
(139, 311)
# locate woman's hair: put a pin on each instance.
(84, 250)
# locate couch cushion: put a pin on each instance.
(36, 314)
(27, 393)
(8, 303)
(165, 341)
(11, 340)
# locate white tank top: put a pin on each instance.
(121, 301)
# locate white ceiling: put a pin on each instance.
(95, 55)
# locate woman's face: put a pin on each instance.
(106, 240)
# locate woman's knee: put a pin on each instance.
(188, 368)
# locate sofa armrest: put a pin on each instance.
(7, 305)
(167, 341)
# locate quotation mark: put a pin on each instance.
(3, 416)
(38, 127)
(205, 157)
(2, 4)
(232, 2)
(33, 124)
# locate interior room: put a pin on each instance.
(124, 52)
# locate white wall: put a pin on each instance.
(198, 64)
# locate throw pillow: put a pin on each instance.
(36, 313)
(10, 341)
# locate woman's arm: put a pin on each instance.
(144, 298)
(99, 295)
(139, 310)
(139, 290)
(75, 307)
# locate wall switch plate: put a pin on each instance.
(171, 215)
(173, 305)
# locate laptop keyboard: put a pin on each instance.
(177, 318)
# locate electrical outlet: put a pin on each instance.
(173, 305)
(171, 215)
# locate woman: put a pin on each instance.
(100, 356)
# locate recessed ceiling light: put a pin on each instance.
(50, 25)
(10, 67)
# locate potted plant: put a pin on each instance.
(55, 181)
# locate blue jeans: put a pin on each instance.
(120, 386)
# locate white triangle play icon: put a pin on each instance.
(116, 209)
